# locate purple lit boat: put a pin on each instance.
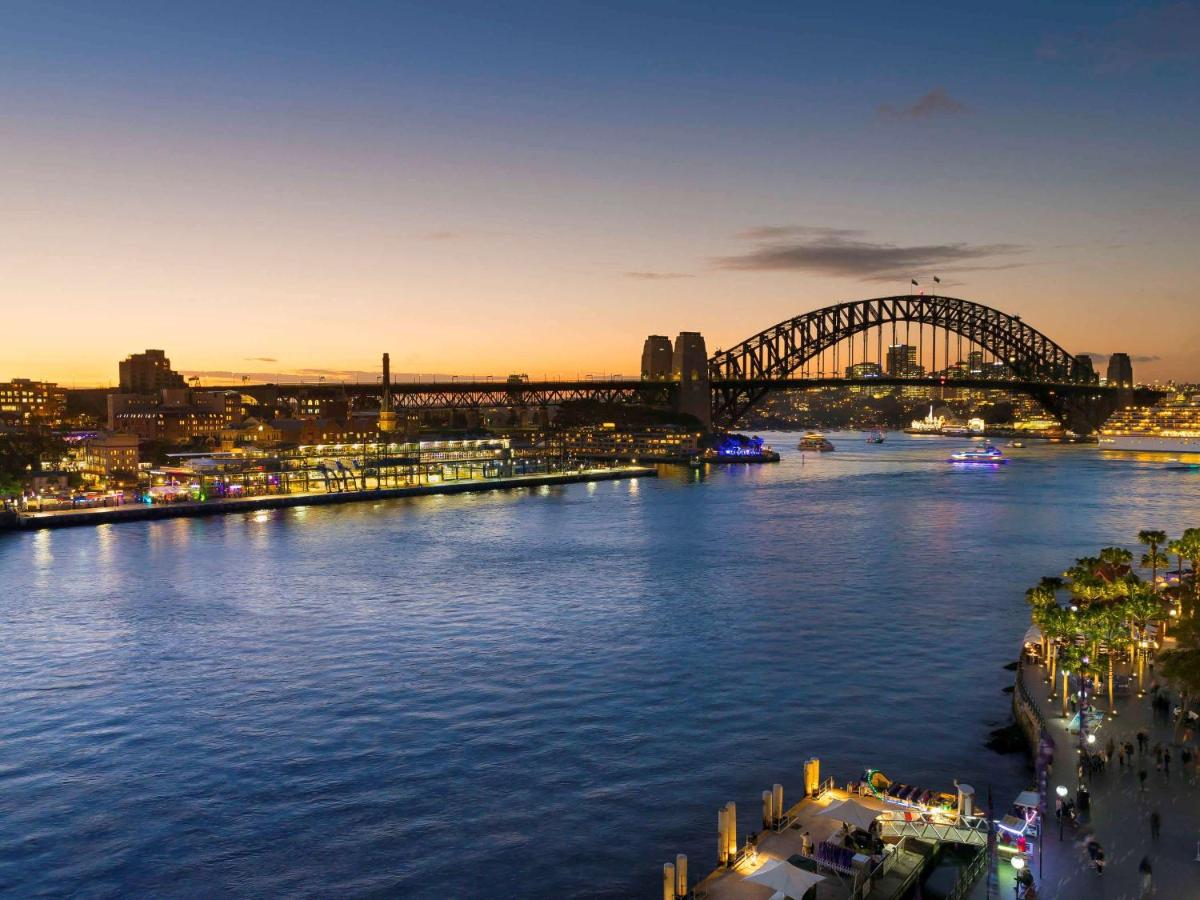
(986, 456)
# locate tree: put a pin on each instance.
(1181, 665)
(1152, 539)
(1189, 546)
(1056, 624)
(1108, 629)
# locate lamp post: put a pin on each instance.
(1061, 790)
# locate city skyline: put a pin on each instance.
(488, 191)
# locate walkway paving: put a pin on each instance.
(1120, 812)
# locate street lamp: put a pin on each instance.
(1061, 790)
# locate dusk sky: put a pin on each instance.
(504, 187)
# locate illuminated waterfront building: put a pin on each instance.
(148, 373)
(26, 403)
(606, 441)
(864, 370)
(111, 454)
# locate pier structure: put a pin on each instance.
(803, 846)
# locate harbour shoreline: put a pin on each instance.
(137, 512)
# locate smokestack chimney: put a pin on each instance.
(387, 383)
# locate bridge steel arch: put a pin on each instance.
(744, 374)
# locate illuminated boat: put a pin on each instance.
(986, 455)
(875, 437)
(815, 442)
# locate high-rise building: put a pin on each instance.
(657, 358)
(24, 402)
(975, 362)
(902, 361)
(864, 370)
(1120, 370)
(148, 373)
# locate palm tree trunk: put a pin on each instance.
(1111, 706)
(1066, 686)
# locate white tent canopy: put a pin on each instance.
(1033, 635)
(786, 879)
(852, 812)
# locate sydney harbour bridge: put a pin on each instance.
(957, 344)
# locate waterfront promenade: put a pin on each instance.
(133, 512)
(1119, 812)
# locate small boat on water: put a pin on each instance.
(1019, 445)
(875, 437)
(985, 455)
(817, 443)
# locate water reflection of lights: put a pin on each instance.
(633, 486)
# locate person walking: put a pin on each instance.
(1142, 742)
(1185, 757)
(1142, 780)
(1147, 877)
(1155, 825)
(1109, 748)
(1167, 761)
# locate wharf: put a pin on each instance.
(136, 512)
(900, 869)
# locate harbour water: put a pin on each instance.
(537, 693)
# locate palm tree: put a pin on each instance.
(1143, 607)
(1116, 556)
(1190, 546)
(1072, 661)
(1056, 625)
(1108, 628)
(1152, 539)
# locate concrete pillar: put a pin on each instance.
(777, 801)
(681, 887)
(731, 829)
(722, 836)
(812, 776)
(668, 881)
(768, 810)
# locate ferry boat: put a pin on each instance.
(875, 437)
(985, 455)
(1171, 426)
(815, 442)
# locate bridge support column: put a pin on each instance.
(690, 369)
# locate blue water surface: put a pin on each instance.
(535, 693)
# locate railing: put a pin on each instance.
(886, 865)
(1025, 696)
(973, 830)
(968, 876)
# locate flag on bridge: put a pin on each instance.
(914, 282)
(936, 280)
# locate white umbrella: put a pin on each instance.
(852, 812)
(785, 878)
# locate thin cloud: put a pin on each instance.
(777, 232)
(844, 253)
(936, 103)
(658, 276)
(1166, 33)
(266, 359)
